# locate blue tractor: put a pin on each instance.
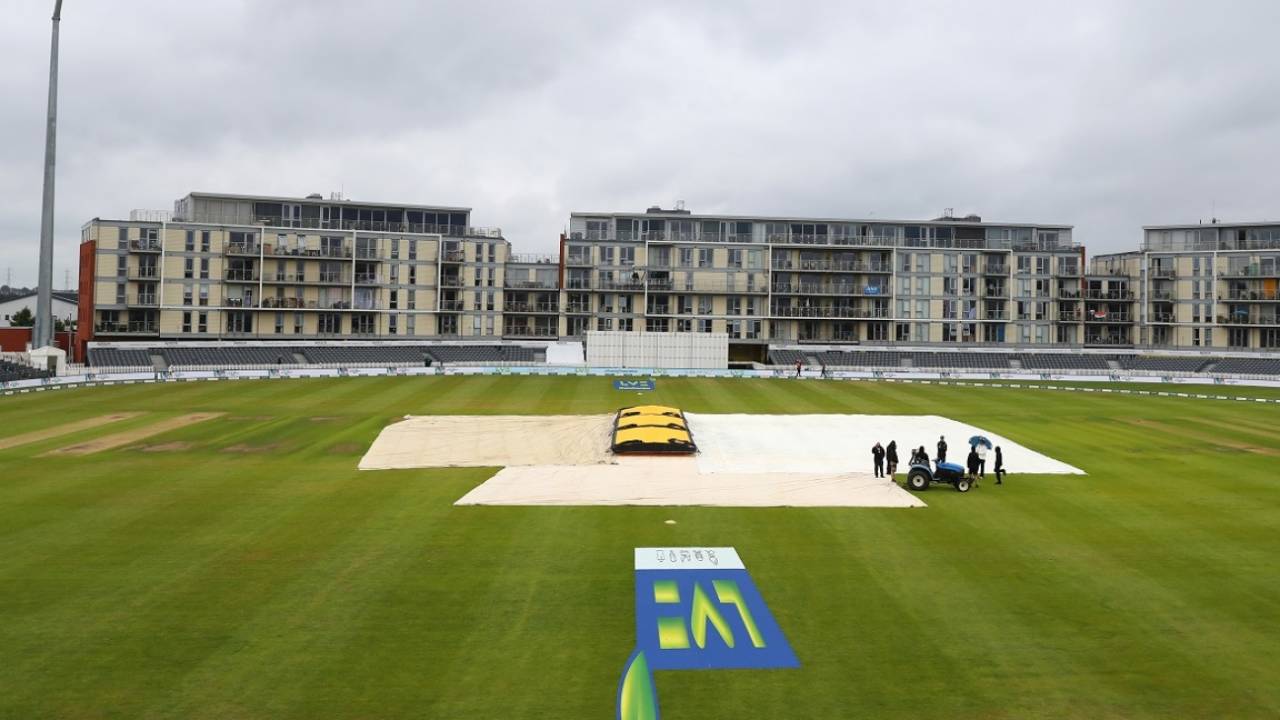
(920, 475)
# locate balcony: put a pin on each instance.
(241, 276)
(144, 273)
(1164, 274)
(368, 278)
(1108, 295)
(1162, 295)
(333, 278)
(578, 308)
(531, 285)
(453, 256)
(625, 285)
(996, 292)
(529, 331)
(533, 259)
(144, 300)
(1252, 296)
(1163, 318)
(368, 254)
(995, 315)
(1068, 294)
(1251, 271)
(145, 246)
(839, 289)
(253, 249)
(512, 306)
(127, 328)
(817, 313)
(1109, 318)
(577, 260)
(1247, 319)
(1068, 271)
(451, 305)
(830, 266)
(995, 269)
(450, 281)
(1070, 317)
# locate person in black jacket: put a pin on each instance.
(999, 466)
(973, 461)
(891, 457)
(877, 454)
(942, 449)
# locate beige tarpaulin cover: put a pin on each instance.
(491, 441)
(676, 481)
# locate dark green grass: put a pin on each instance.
(276, 581)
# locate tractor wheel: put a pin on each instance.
(963, 485)
(918, 480)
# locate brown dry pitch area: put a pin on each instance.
(64, 429)
(120, 439)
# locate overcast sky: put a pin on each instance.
(1106, 115)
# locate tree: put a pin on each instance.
(23, 318)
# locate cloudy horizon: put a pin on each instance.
(1103, 115)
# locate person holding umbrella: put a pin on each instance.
(972, 461)
(982, 445)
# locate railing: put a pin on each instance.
(309, 252)
(1161, 295)
(1248, 319)
(523, 307)
(1108, 318)
(830, 289)
(1164, 274)
(829, 266)
(1069, 271)
(1108, 295)
(144, 273)
(145, 245)
(533, 259)
(144, 300)
(388, 227)
(453, 256)
(1065, 294)
(241, 249)
(1162, 318)
(632, 285)
(531, 285)
(816, 313)
(577, 308)
(127, 327)
(995, 315)
(368, 254)
(368, 278)
(995, 292)
(1250, 295)
(452, 305)
(572, 259)
(451, 282)
(1070, 317)
(1250, 271)
(527, 331)
(241, 276)
(331, 278)
(996, 269)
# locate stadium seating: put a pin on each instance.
(962, 361)
(862, 358)
(117, 357)
(1063, 361)
(481, 353)
(366, 355)
(1163, 364)
(1247, 366)
(227, 356)
(10, 371)
(787, 357)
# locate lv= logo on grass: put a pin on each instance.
(696, 609)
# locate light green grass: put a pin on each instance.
(282, 583)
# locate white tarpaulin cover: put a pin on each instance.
(826, 444)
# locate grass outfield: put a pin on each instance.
(247, 570)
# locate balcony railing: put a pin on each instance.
(524, 307)
(453, 256)
(782, 288)
(1113, 318)
(529, 331)
(450, 281)
(1108, 295)
(533, 259)
(380, 226)
(145, 245)
(242, 249)
(241, 276)
(995, 269)
(1068, 271)
(827, 312)
(133, 327)
(1251, 271)
(451, 305)
(1253, 296)
(578, 308)
(831, 266)
(144, 273)
(368, 278)
(1164, 274)
(144, 300)
(1070, 317)
(579, 260)
(1240, 319)
(1164, 318)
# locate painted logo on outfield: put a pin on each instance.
(696, 609)
(637, 385)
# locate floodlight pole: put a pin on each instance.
(43, 335)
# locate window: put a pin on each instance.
(297, 323)
(187, 293)
(279, 323)
(202, 322)
(704, 305)
(922, 262)
(363, 324)
(413, 249)
(191, 241)
(948, 263)
(122, 235)
(329, 323)
(189, 268)
(395, 295)
(755, 259)
(391, 324)
(735, 258)
(205, 242)
(204, 268)
(606, 255)
(733, 327)
(905, 265)
(686, 257)
(704, 257)
(204, 295)
(922, 309)
(186, 322)
(704, 326)
(604, 323)
(627, 256)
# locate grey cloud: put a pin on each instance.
(1106, 115)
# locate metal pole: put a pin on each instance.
(44, 299)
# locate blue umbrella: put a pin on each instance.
(980, 440)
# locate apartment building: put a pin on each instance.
(1204, 286)
(954, 280)
(257, 267)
